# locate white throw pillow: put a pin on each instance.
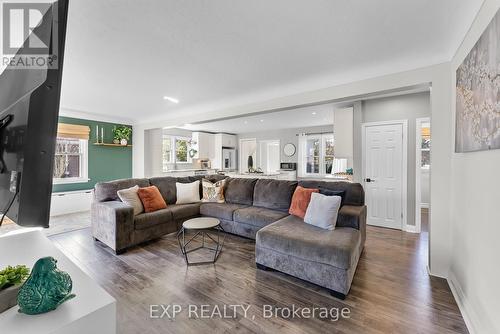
(323, 211)
(188, 192)
(129, 196)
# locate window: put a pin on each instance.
(175, 151)
(313, 149)
(328, 153)
(319, 154)
(181, 150)
(426, 145)
(166, 152)
(71, 161)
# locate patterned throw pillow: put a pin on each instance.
(213, 192)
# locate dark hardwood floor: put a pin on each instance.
(391, 291)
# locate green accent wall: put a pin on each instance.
(105, 163)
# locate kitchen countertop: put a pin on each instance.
(189, 170)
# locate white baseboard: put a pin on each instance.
(470, 317)
(411, 229)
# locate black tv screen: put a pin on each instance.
(30, 88)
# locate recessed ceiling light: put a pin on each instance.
(171, 99)
(314, 113)
(246, 122)
(261, 120)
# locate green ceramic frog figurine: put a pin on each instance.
(45, 289)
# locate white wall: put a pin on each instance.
(408, 107)
(343, 130)
(425, 187)
(475, 213)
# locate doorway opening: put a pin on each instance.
(422, 173)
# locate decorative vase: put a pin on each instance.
(8, 297)
(45, 289)
(123, 142)
(116, 141)
(250, 162)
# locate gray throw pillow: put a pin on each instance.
(323, 210)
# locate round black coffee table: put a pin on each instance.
(202, 226)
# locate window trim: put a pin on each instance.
(84, 165)
(173, 152)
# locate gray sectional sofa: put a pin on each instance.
(254, 208)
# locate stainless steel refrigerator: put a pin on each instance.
(229, 159)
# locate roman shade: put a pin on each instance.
(73, 131)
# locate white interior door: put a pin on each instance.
(269, 155)
(383, 174)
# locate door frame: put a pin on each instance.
(418, 172)
(404, 174)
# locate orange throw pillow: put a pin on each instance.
(300, 201)
(151, 199)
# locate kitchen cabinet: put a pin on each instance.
(209, 146)
(205, 145)
(227, 140)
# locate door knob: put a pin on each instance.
(369, 180)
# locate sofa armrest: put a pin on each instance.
(113, 223)
(353, 216)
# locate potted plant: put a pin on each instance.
(11, 279)
(121, 134)
(116, 140)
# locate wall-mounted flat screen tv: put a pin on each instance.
(30, 88)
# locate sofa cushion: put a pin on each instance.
(290, 235)
(274, 194)
(151, 199)
(300, 201)
(107, 191)
(188, 192)
(149, 219)
(257, 216)
(220, 210)
(166, 185)
(322, 211)
(239, 191)
(212, 178)
(353, 192)
(213, 192)
(328, 192)
(183, 211)
(129, 196)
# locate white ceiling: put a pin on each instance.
(286, 119)
(123, 56)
